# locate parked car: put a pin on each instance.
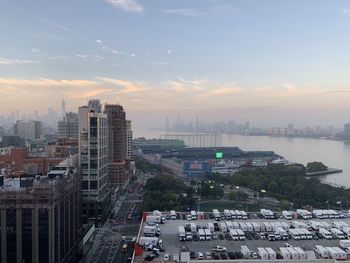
(207, 255)
(219, 249)
(200, 256)
(166, 257)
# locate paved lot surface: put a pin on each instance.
(169, 235)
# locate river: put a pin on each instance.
(334, 154)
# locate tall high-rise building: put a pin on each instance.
(63, 108)
(118, 167)
(93, 157)
(68, 126)
(28, 130)
(39, 217)
(129, 140)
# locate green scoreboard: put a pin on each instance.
(218, 155)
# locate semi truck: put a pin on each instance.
(172, 214)
(223, 227)
(182, 233)
(151, 231)
(246, 252)
(301, 252)
(344, 243)
(322, 251)
(193, 215)
(201, 234)
(284, 253)
(207, 234)
(271, 252)
(244, 215)
(216, 214)
(293, 253)
(211, 226)
(336, 232)
(156, 219)
(227, 214)
(149, 240)
(287, 215)
(234, 235)
(304, 214)
(267, 214)
(193, 228)
(241, 234)
(325, 233)
(263, 254)
(283, 233)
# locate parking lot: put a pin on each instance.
(172, 244)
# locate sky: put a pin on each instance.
(270, 62)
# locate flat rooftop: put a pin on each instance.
(172, 244)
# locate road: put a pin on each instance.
(107, 246)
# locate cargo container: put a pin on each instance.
(149, 240)
(287, 215)
(302, 234)
(263, 253)
(182, 233)
(299, 224)
(201, 234)
(285, 226)
(322, 251)
(271, 252)
(284, 253)
(302, 254)
(234, 235)
(293, 253)
(173, 214)
(207, 234)
(246, 252)
(266, 213)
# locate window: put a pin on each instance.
(93, 184)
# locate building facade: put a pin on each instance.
(68, 126)
(93, 157)
(118, 167)
(40, 218)
(129, 140)
(28, 130)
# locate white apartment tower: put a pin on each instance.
(93, 158)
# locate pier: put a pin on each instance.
(325, 172)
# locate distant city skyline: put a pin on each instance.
(256, 59)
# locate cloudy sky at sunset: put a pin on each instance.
(246, 58)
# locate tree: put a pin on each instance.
(315, 167)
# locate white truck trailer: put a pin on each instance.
(208, 234)
(322, 251)
(211, 226)
(271, 252)
(336, 232)
(293, 253)
(241, 234)
(193, 228)
(227, 214)
(234, 235)
(325, 233)
(172, 214)
(201, 234)
(285, 253)
(344, 243)
(263, 254)
(149, 240)
(216, 214)
(301, 252)
(182, 233)
(287, 215)
(246, 252)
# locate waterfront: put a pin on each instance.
(334, 154)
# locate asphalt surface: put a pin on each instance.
(172, 244)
